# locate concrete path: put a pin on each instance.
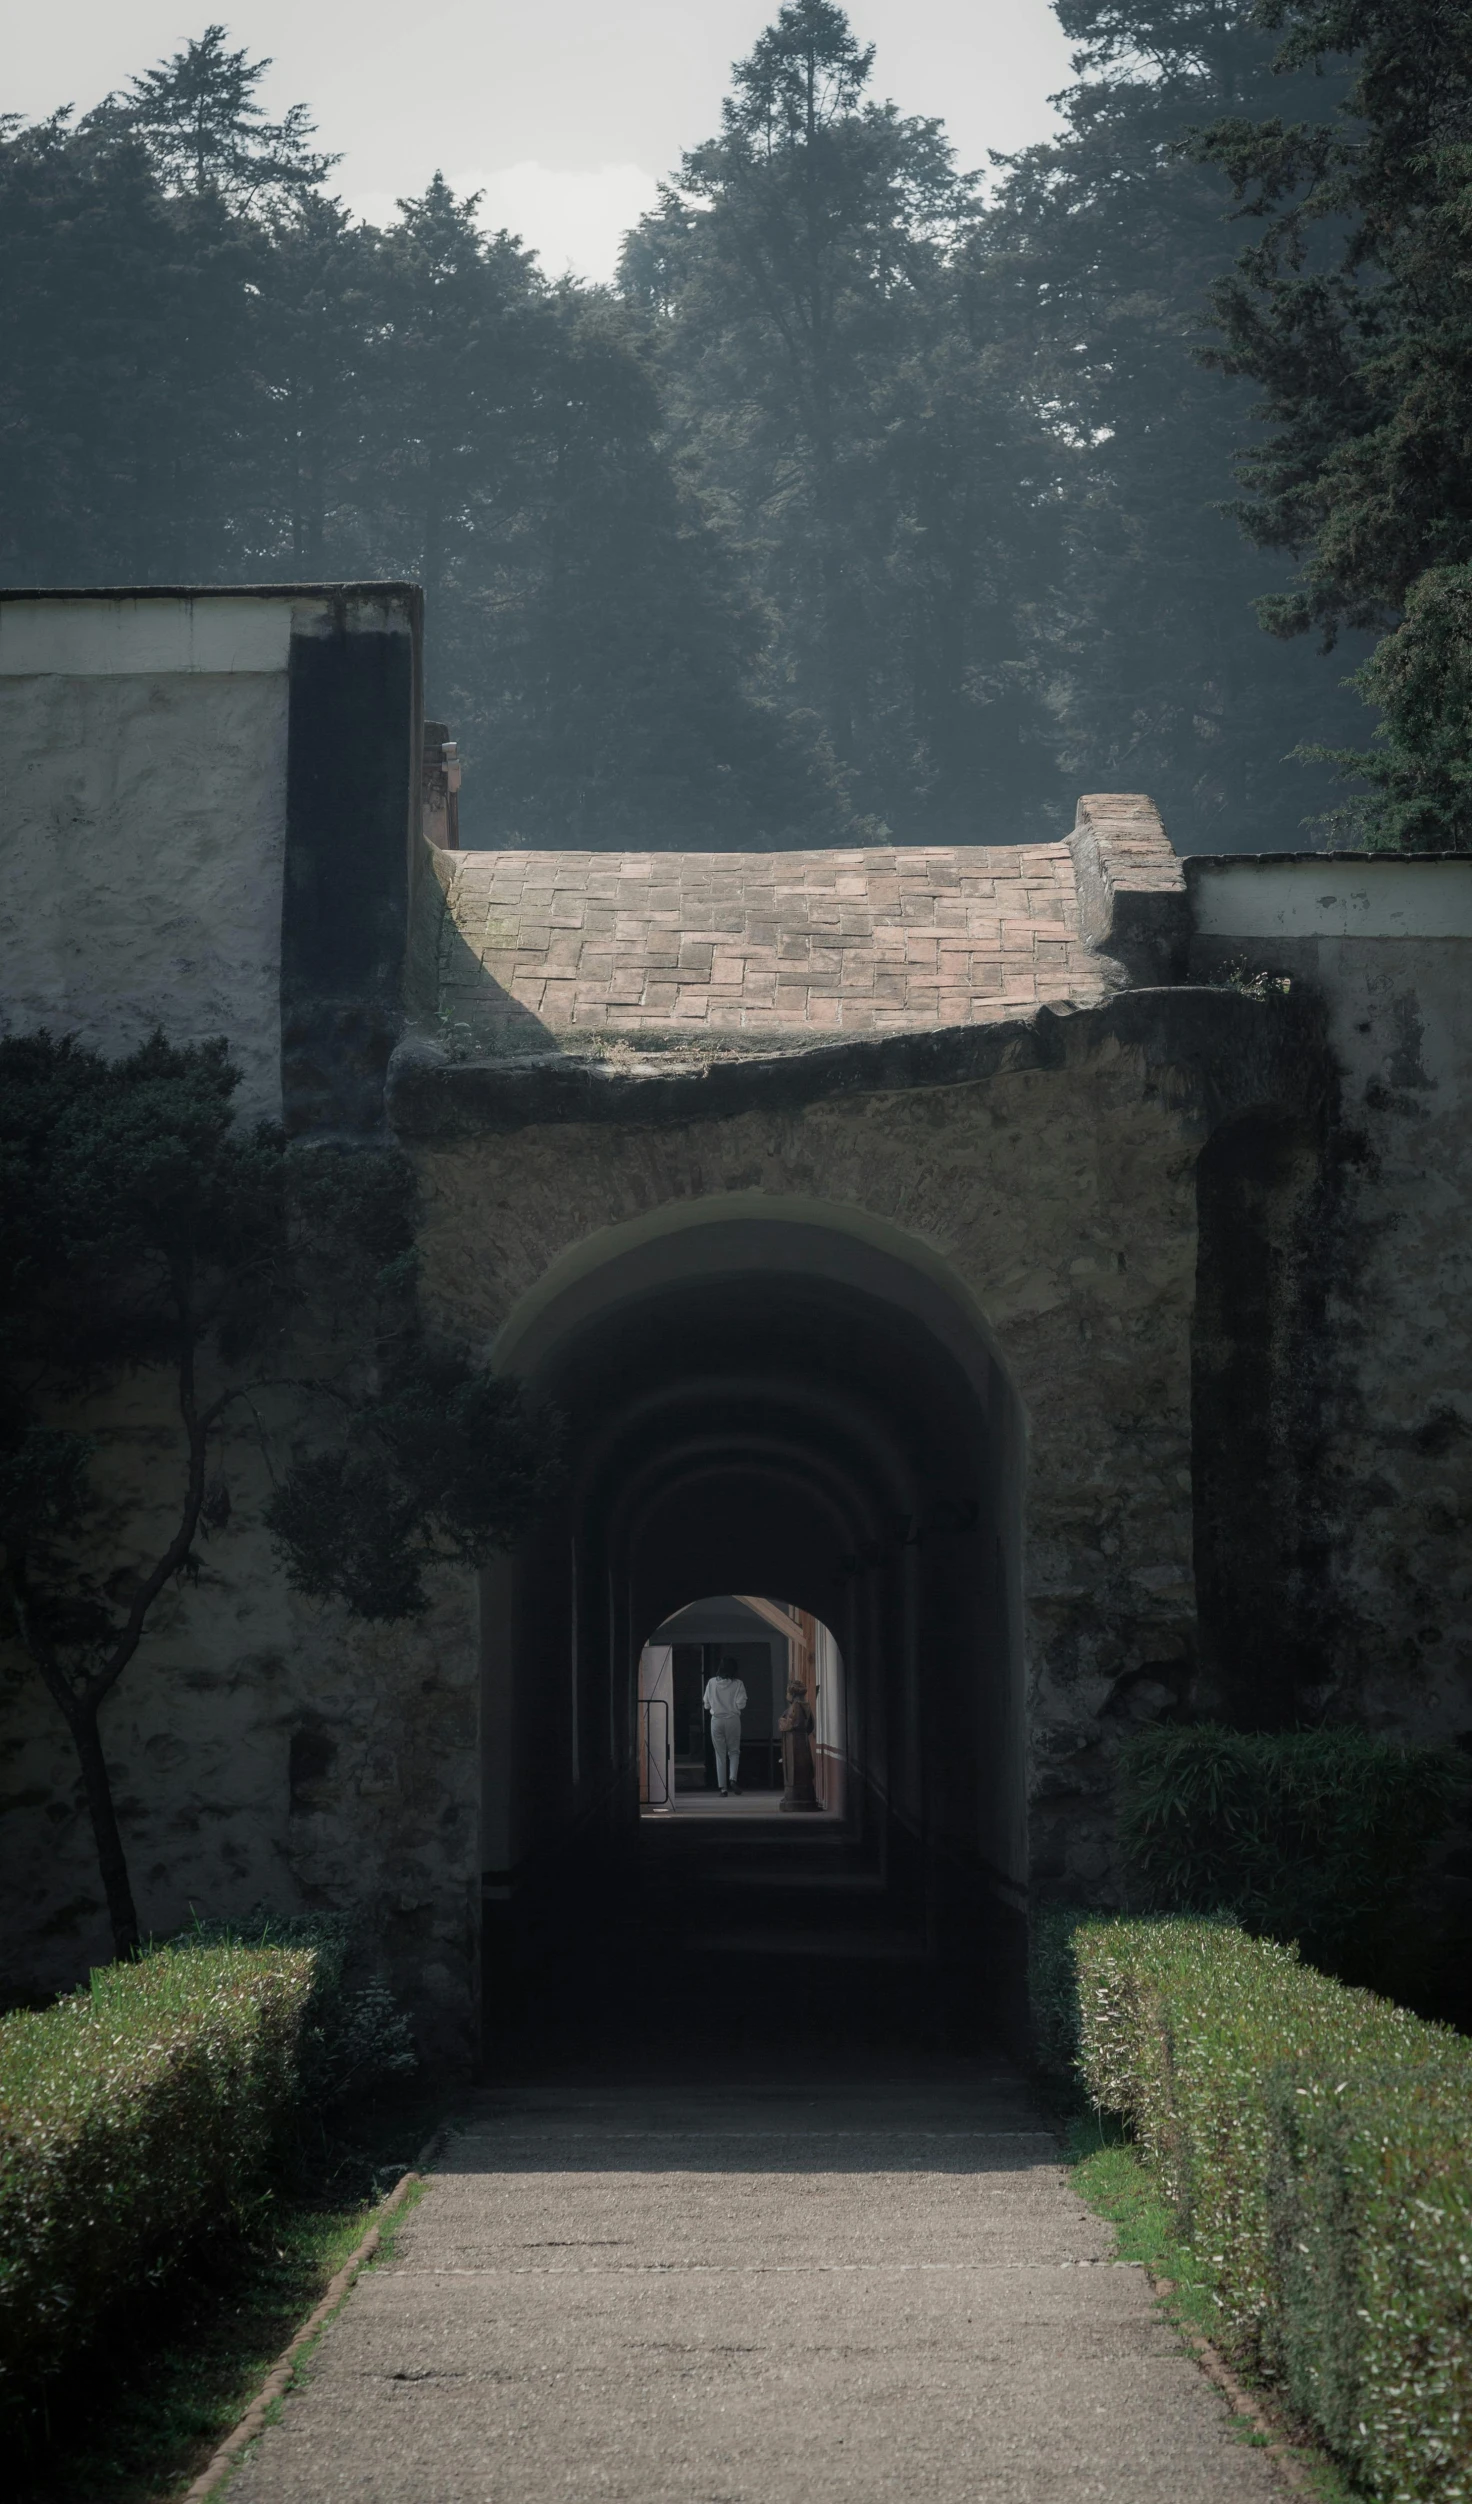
(762, 2294)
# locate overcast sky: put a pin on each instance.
(565, 115)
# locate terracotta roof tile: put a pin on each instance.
(763, 942)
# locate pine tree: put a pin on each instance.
(627, 664)
(867, 507)
(797, 282)
(586, 631)
(1352, 311)
(462, 327)
(129, 396)
(198, 117)
(316, 328)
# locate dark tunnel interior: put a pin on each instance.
(772, 1408)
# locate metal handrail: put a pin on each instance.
(656, 1765)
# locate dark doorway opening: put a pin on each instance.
(755, 1407)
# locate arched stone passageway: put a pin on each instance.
(770, 1404)
(1191, 1138)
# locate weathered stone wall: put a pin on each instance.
(1045, 1162)
(210, 817)
(208, 803)
(1386, 947)
(237, 1686)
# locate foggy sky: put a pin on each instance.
(563, 115)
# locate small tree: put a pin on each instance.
(143, 1229)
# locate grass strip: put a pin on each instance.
(265, 2406)
(171, 2387)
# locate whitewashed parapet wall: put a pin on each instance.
(206, 824)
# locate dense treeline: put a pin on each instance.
(209, 372)
(868, 503)
(969, 445)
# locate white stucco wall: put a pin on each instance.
(143, 823)
(1331, 897)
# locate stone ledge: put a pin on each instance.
(1212, 1052)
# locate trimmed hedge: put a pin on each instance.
(1316, 2144)
(132, 2118)
(354, 2038)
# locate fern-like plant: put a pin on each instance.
(1307, 1834)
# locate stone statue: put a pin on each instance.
(797, 1726)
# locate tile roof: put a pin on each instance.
(793, 944)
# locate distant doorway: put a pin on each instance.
(770, 1642)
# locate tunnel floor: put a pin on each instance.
(746, 1804)
(742, 1938)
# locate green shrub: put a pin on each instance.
(1306, 1834)
(1315, 2144)
(133, 2117)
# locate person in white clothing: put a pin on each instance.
(725, 1701)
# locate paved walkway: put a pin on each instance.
(765, 2294)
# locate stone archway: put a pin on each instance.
(781, 1401)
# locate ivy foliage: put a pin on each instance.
(140, 1227)
(143, 1229)
(447, 1466)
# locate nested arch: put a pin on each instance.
(754, 1232)
(762, 1400)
